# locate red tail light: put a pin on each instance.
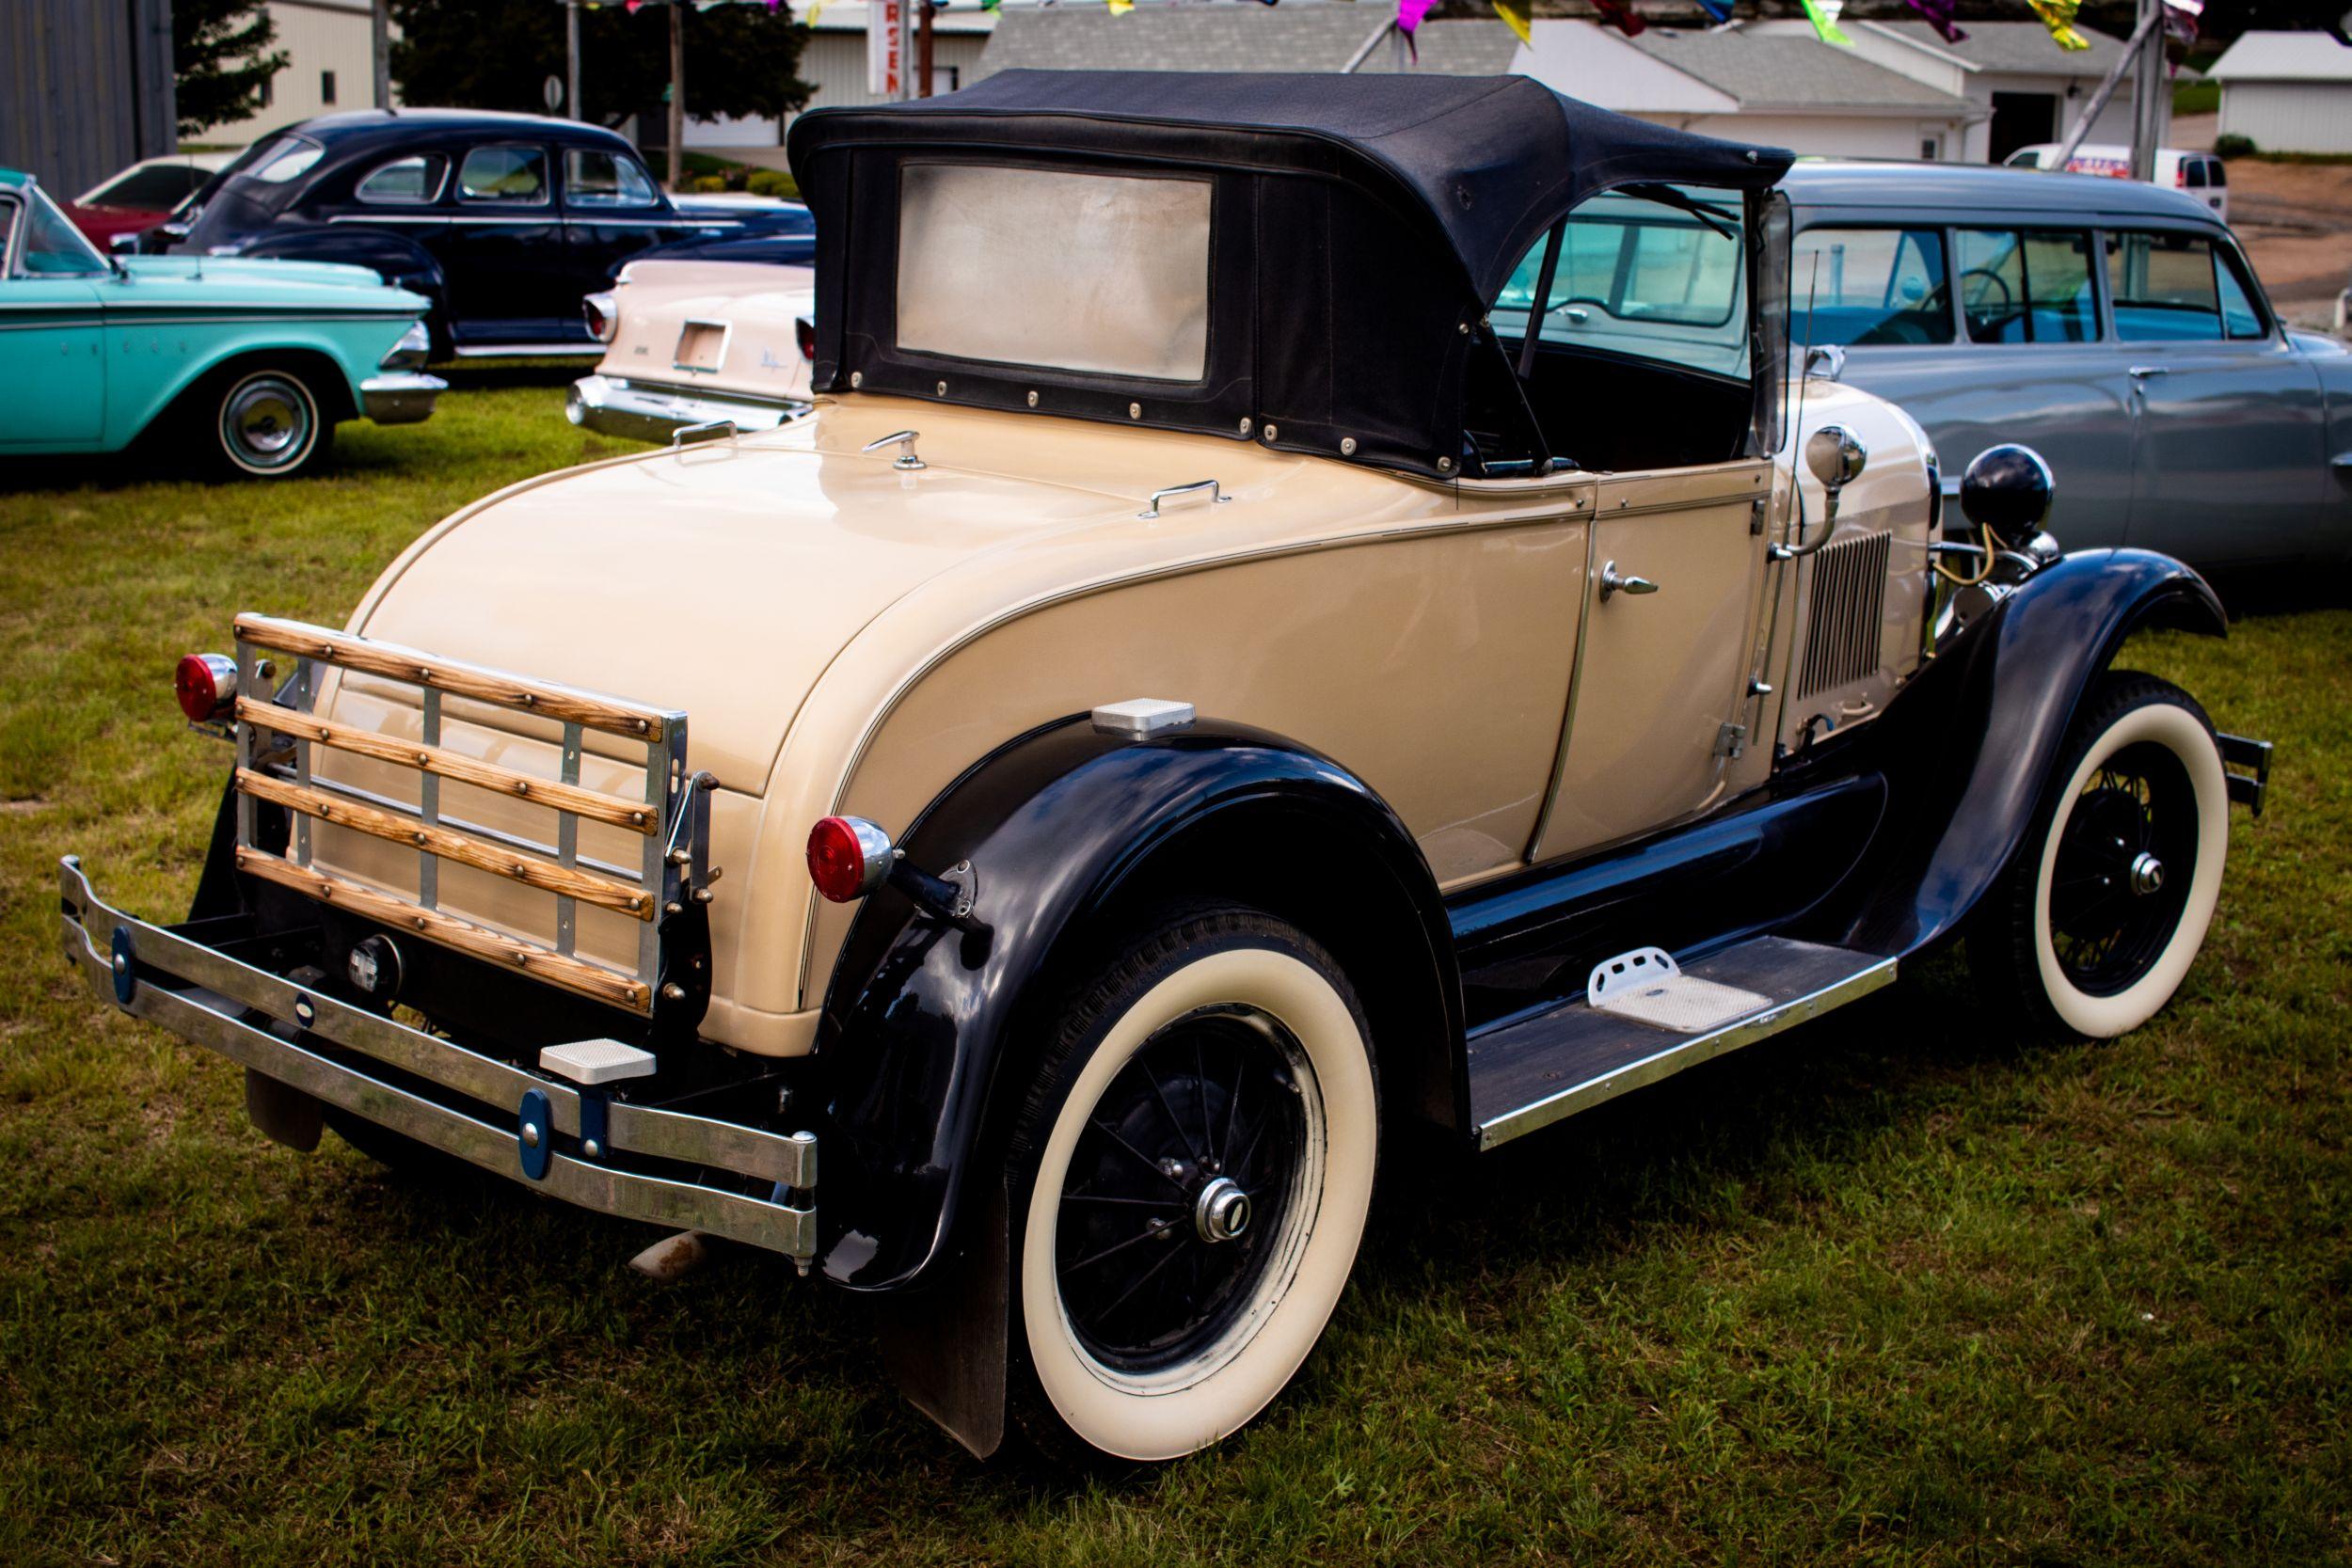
(603, 313)
(205, 685)
(847, 857)
(2180, 177)
(805, 330)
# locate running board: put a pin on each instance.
(1529, 1073)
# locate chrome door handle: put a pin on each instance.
(1610, 582)
(1199, 487)
(2141, 373)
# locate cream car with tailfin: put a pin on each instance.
(1305, 608)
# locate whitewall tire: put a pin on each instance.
(267, 423)
(2097, 921)
(1193, 1174)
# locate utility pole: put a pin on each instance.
(906, 49)
(2147, 93)
(923, 53)
(571, 59)
(380, 47)
(677, 92)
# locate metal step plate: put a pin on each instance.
(1534, 1071)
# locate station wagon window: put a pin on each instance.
(1641, 277)
(410, 181)
(1123, 290)
(518, 174)
(592, 177)
(2178, 288)
(1870, 285)
(2028, 286)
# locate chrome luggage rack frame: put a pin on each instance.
(672, 818)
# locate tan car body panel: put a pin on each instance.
(845, 636)
(756, 303)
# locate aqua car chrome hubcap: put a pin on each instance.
(266, 422)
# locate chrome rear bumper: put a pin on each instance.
(534, 1129)
(649, 413)
(400, 397)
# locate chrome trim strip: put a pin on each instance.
(1686, 1053)
(565, 350)
(782, 1159)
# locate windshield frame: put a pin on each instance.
(30, 196)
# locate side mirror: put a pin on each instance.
(2007, 490)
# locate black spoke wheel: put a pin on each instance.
(1191, 1173)
(1185, 1168)
(2104, 903)
(2113, 898)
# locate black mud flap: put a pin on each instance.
(945, 1345)
(285, 1114)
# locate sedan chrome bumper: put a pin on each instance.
(568, 1139)
(400, 397)
(644, 412)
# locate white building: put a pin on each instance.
(330, 65)
(2290, 92)
(1749, 84)
(2023, 87)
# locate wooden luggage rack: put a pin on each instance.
(671, 820)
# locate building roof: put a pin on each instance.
(2283, 57)
(1763, 72)
(2011, 48)
(1296, 35)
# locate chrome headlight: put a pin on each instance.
(410, 353)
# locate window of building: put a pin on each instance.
(327, 87)
(1864, 287)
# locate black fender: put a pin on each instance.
(397, 259)
(927, 1028)
(1968, 748)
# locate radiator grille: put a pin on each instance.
(1848, 606)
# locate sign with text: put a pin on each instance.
(886, 68)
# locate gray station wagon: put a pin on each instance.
(2116, 324)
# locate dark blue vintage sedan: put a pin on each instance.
(503, 221)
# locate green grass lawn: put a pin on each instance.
(1892, 1289)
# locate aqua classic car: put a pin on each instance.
(249, 365)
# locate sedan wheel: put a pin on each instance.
(267, 425)
(1200, 1157)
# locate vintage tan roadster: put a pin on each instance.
(1307, 607)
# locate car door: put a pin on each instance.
(1666, 641)
(52, 358)
(2230, 463)
(611, 211)
(503, 251)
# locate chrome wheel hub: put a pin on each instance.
(2147, 874)
(267, 421)
(1221, 1211)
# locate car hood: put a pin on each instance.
(231, 280)
(722, 579)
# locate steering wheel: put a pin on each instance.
(2008, 299)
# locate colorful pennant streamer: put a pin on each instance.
(1621, 15)
(2059, 16)
(1824, 15)
(1718, 11)
(1939, 16)
(1518, 13)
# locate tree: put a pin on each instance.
(498, 54)
(221, 53)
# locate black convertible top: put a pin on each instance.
(1430, 189)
